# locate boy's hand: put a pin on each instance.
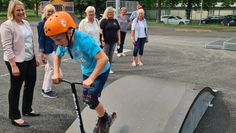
(56, 79)
(87, 83)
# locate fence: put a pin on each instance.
(195, 14)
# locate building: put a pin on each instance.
(60, 5)
(130, 5)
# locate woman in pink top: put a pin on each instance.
(19, 56)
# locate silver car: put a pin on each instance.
(168, 19)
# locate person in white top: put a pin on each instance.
(139, 37)
(90, 24)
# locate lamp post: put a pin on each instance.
(117, 7)
(201, 12)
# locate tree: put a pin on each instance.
(29, 4)
(148, 4)
(227, 3)
(37, 7)
(159, 11)
(4, 5)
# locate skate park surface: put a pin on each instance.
(169, 55)
(146, 106)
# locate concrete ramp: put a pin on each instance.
(150, 105)
(218, 44)
(230, 44)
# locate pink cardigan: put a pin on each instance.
(13, 40)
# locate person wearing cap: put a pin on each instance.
(134, 14)
(84, 50)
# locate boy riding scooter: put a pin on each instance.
(93, 61)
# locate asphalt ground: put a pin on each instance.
(179, 56)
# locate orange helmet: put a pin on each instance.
(58, 23)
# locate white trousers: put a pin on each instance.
(47, 82)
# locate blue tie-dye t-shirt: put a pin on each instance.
(83, 51)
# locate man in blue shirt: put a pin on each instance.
(134, 14)
(86, 52)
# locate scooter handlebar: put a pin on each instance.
(79, 83)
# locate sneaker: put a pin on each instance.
(104, 127)
(140, 63)
(111, 71)
(96, 129)
(133, 64)
(50, 94)
(119, 55)
(123, 54)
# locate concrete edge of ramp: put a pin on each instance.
(150, 105)
(197, 109)
(229, 46)
(217, 44)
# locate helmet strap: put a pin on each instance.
(70, 42)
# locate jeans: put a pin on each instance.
(99, 83)
(109, 50)
(90, 95)
(139, 46)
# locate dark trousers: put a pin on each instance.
(139, 46)
(122, 41)
(28, 76)
(109, 50)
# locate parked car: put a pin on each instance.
(168, 19)
(163, 17)
(232, 23)
(213, 20)
(229, 20)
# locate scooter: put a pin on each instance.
(76, 101)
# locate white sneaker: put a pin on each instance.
(133, 64)
(140, 63)
(118, 55)
(123, 54)
(111, 71)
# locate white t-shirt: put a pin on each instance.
(91, 28)
(141, 32)
(28, 36)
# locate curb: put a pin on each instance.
(192, 30)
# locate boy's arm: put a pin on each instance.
(102, 60)
(56, 74)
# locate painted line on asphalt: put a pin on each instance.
(124, 50)
(7, 74)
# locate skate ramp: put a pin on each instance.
(215, 44)
(150, 105)
(230, 44)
